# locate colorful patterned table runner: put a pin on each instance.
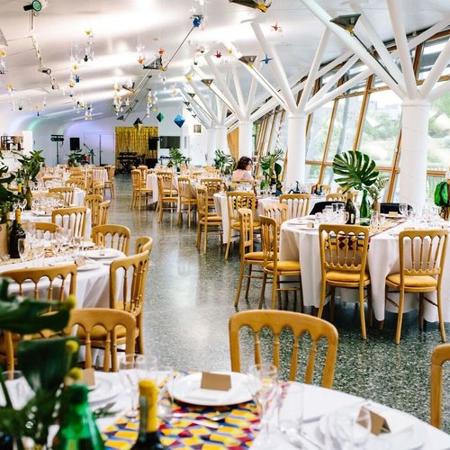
(233, 431)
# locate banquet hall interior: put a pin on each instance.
(224, 224)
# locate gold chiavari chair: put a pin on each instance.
(133, 271)
(110, 184)
(213, 186)
(92, 201)
(47, 229)
(167, 195)
(103, 212)
(187, 198)
(97, 188)
(76, 183)
(143, 244)
(100, 328)
(277, 268)
(52, 283)
(335, 197)
(422, 258)
(249, 257)
(277, 212)
(71, 219)
(343, 256)
(140, 192)
(235, 201)
(297, 323)
(440, 355)
(112, 236)
(206, 220)
(66, 192)
(298, 204)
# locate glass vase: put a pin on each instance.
(364, 210)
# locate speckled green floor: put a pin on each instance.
(189, 301)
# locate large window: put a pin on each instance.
(318, 132)
(381, 127)
(439, 132)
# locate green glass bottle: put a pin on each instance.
(28, 197)
(16, 232)
(148, 419)
(78, 430)
(364, 210)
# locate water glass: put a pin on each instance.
(22, 247)
(290, 414)
(403, 209)
(18, 389)
(131, 371)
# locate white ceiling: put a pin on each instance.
(120, 25)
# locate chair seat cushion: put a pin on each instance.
(254, 256)
(345, 277)
(413, 281)
(99, 334)
(285, 266)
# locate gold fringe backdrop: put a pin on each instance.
(132, 139)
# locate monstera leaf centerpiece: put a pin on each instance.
(356, 170)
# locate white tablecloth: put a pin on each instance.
(268, 201)
(28, 216)
(100, 174)
(151, 183)
(383, 259)
(317, 402)
(78, 196)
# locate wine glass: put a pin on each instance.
(290, 414)
(352, 427)
(17, 387)
(21, 246)
(131, 371)
(403, 209)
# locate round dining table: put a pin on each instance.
(300, 242)
(192, 427)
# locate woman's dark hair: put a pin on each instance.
(243, 163)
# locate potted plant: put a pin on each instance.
(223, 162)
(176, 159)
(29, 170)
(356, 170)
(75, 158)
(271, 169)
(442, 198)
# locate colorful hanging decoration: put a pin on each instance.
(3, 60)
(218, 54)
(266, 59)
(197, 20)
(89, 48)
(160, 117)
(140, 54)
(276, 28)
(261, 5)
(179, 120)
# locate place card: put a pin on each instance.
(393, 214)
(378, 423)
(89, 377)
(215, 381)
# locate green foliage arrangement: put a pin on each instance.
(30, 165)
(176, 158)
(75, 157)
(271, 169)
(44, 363)
(223, 162)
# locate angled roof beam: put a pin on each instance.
(440, 90)
(354, 45)
(277, 66)
(436, 71)
(383, 52)
(403, 48)
(315, 65)
(238, 89)
(202, 101)
(224, 89)
(199, 111)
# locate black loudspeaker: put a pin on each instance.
(74, 143)
(153, 143)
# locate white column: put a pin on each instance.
(414, 148)
(296, 148)
(245, 138)
(222, 139)
(211, 139)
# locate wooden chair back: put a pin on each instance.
(52, 283)
(298, 204)
(246, 222)
(213, 185)
(92, 201)
(422, 252)
(185, 190)
(343, 248)
(47, 229)
(111, 172)
(202, 202)
(71, 219)
(269, 240)
(97, 188)
(300, 325)
(440, 355)
(134, 271)
(278, 212)
(165, 184)
(136, 179)
(108, 321)
(335, 197)
(112, 236)
(66, 192)
(76, 183)
(143, 244)
(237, 200)
(103, 212)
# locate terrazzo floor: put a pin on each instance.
(189, 300)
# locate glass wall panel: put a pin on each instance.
(312, 173)
(381, 127)
(432, 182)
(439, 132)
(318, 132)
(345, 123)
(328, 176)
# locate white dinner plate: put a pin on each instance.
(106, 253)
(41, 214)
(90, 265)
(187, 389)
(406, 433)
(106, 389)
(87, 244)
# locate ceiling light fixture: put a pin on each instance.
(248, 62)
(348, 23)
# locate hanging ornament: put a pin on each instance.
(266, 59)
(179, 120)
(197, 20)
(218, 54)
(160, 117)
(89, 48)
(276, 28)
(140, 54)
(2, 60)
(261, 5)
(161, 52)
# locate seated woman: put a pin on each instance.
(243, 171)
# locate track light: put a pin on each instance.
(36, 6)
